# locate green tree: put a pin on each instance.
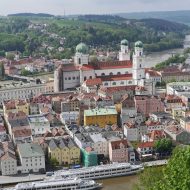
(10, 56)
(25, 72)
(149, 178)
(163, 146)
(175, 176)
(53, 162)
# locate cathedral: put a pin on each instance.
(123, 72)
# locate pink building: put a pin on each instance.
(119, 151)
(148, 104)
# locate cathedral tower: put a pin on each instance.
(138, 64)
(124, 54)
(81, 56)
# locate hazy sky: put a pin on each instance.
(57, 7)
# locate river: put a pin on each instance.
(157, 57)
(119, 183)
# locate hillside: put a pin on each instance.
(176, 16)
(30, 15)
(43, 36)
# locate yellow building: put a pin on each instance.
(101, 117)
(65, 151)
(15, 106)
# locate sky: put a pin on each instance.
(57, 7)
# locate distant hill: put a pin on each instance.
(163, 25)
(31, 15)
(176, 16)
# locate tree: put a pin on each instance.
(25, 72)
(175, 176)
(53, 163)
(163, 146)
(149, 178)
(10, 56)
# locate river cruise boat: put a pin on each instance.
(59, 184)
(102, 171)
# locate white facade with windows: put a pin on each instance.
(39, 124)
(8, 164)
(100, 144)
(32, 158)
(20, 90)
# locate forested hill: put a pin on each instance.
(176, 16)
(43, 36)
(163, 25)
(30, 15)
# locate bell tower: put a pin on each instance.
(138, 64)
(81, 56)
(124, 54)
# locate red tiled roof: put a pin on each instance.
(146, 144)
(116, 77)
(173, 97)
(113, 65)
(152, 123)
(116, 144)
(152, 73)
(157, 134)
(119, 88)
(87, 68)
(22, 132)
(2, 128)
(93, 82)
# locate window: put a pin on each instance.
(69, 78)
(140, 66)
(122, 82)
(90, 77)
(65, 78)
(84, 78)
(103, 74)
(79, 61)
(106, 84)
(111, 73)
(118, 73)
(114, 83)
(73, 78)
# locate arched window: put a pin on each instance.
(140, 66)
(118, 73)
(90, 77)
(111, 73)
(69, 78)
(103, 74)
(114, 83)
(84, 78)
(73, 78)
(65, 78)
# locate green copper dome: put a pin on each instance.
(139, 44)
(124, 42)
(82, 48)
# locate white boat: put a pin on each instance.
(101, 171)
(59, 184)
